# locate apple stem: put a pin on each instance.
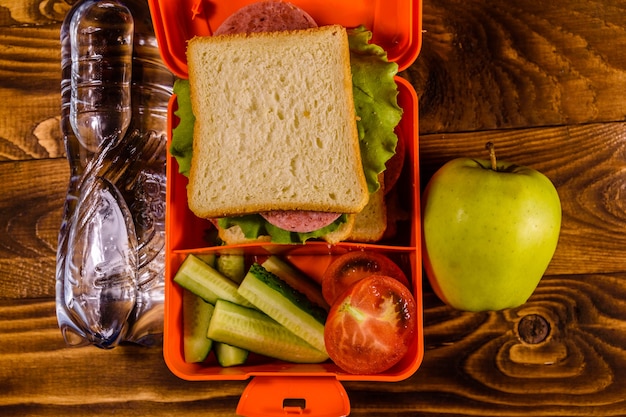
(492, 155)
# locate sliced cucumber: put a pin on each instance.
(253, 330)
(204, 281)
(207, 258)
(287, 306)
(229, 355)
(296, 280)
(232, 267)
(196, 317)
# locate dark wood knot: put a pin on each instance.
(533, 329)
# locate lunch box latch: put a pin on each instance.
(293, 396)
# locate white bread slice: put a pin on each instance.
(275, 124)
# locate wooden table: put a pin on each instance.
(544, 80)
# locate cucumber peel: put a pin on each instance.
(296, 279)
(206, 282)
(287, 306)
(229, 355)
(232, 267)
(207, 258)
(196, 317)
(253, 330)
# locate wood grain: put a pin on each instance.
(30, 76)
(476, 364)
(88, 380)
(492, 64)
(543, 80)
(587, 164)
(33, 12)
(590, 179)
(483, 65)
(33, 194)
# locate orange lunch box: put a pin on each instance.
(277, 387)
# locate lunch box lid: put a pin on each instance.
(396, 25)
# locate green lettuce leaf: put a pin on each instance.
(254, 225)
(375, 100)
(182, 135)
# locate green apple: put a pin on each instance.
(490, 229)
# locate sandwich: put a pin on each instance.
(284, 134)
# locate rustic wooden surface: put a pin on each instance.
(544, 80)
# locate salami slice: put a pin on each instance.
(300, 221)
(266, 16)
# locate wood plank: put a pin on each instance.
(529, 64)
(496, 64)
(586, 164)
(590, 180)
(30, 97)
(32, 12)
(33, 194)
(475, 363)
(41, 376)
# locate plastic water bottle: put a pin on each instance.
(96, 262)
(115, 89)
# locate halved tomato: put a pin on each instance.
(354, 266)
(371, 327)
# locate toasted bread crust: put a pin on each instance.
(371, 223)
